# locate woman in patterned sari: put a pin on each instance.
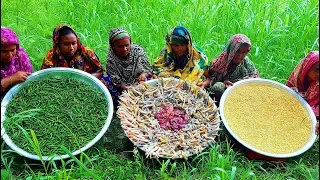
(127, 63)
(231, 66)
(180, 58)
(68, 51)
(305, 81)
(15, 62)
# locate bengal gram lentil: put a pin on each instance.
(71, 113)
(267, 118)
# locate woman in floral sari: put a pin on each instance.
(15, 62)
(180, 58)
(231, 66)
(305, 81)
(68, 51)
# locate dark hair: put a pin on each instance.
(65, 30)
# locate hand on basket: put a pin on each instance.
(142, 77)
(123, 87)
(228, 83)
(204, 83)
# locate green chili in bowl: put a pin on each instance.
(72, 113)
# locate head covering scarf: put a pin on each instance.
(126, 70)
(297, 81)
(19, 62)
(84, 58)
(219, 66)
(191, 68)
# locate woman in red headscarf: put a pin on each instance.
(305, 80)
(230, 66)
(68, 51)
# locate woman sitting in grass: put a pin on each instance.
(305, 80)
(231, 66)
(15, 62)
(67, 51)
(180, 58)
(127, 63)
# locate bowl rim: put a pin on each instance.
(34, 75)
(281, 86)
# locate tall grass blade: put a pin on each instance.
(80, 163)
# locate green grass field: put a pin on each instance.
(282, 32)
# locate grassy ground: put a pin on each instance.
(282, 32)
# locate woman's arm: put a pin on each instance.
(143, 68)
(252, 70)
(16, 78)
(206, 82)
(111, 70)
(94, 61)
(5, 83)
(160, 63)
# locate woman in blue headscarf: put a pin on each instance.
(180, 58)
